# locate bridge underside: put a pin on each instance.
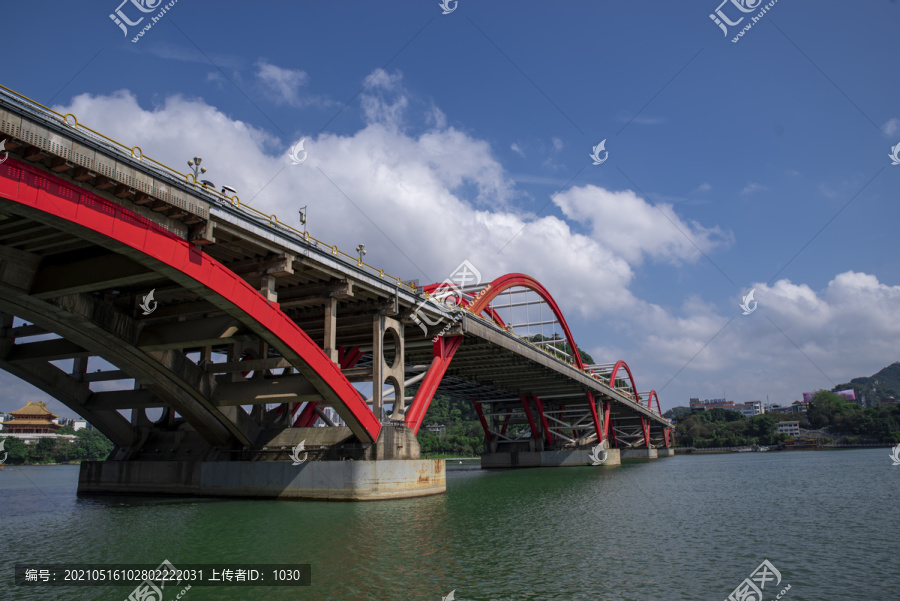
(246, 347)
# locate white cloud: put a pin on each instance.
(704, 187)
(441, 195)
(752, 187)
(633, 228)
(892, 127)
(282, 85)
(515, 148)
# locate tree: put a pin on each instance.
(17, 451)
(91, 445)
(763, 426)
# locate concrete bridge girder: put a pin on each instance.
(77, 396)
(230, 433)
(105, 332)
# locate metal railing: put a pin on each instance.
(135, 152)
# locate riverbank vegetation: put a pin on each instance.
(461, 436)
(725, 428)
(89, 445)
(839, 416)
(848, 422)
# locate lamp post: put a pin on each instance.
(194, 164)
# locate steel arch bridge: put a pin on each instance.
(258, 332)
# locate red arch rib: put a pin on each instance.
(650, 397)
(60, 201)
(445, 348)
(612, 379)
(511, 280)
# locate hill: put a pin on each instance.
(869, 391)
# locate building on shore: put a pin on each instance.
(32, 423)
(799, 407)
(76, 423)
(748, 409)
(792, 429)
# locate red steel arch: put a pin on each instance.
(650, 397)
(57, 202)
(612, 379)
(511, 280)
(445, 348)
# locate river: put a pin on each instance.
(676, 528)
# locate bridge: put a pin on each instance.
(217, 347)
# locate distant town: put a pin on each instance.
(861, 413)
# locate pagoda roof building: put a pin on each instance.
(33, 418)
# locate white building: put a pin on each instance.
(750, 408)
(792, 429)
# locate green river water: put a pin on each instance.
(676, 528)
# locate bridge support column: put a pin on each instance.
(639, 453)
(316, 480)
(388, 372)
(568, 458)
(331, 329)
(665, 452)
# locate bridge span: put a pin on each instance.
(130, 290)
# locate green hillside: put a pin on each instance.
(884, 384)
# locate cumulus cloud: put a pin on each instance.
(634, 229)
(437, 195)
(283, 86)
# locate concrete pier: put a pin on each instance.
(545, 458)
(319, 480)
(665, 452)
(639, 453)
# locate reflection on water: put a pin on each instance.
(684, 527)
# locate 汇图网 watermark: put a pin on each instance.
(895, 154)
(148, 305)
(745, 305)
(601, 147)
(152, 588)
(139, 8)
(295, 151)
(751, 588)
(895, 456)
(740, 9)
(596, 458)
(464, 275)
(295, 453)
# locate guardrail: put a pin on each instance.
(136, 153)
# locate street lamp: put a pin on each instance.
(194, 164)
(361, 249)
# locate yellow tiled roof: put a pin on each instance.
(34, 408)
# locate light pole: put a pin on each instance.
(361, 249)
(194, 164)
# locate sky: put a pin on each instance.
(757, 164)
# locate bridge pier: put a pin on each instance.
(569, 458)
(665, 452)
(334, 466)
(639, 453)
(316, 480)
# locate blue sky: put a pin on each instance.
(726, 160)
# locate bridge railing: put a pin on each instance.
(136, 153)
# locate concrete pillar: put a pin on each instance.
(268, 288)
(639, 453)
(383, 372)
(330, 346)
